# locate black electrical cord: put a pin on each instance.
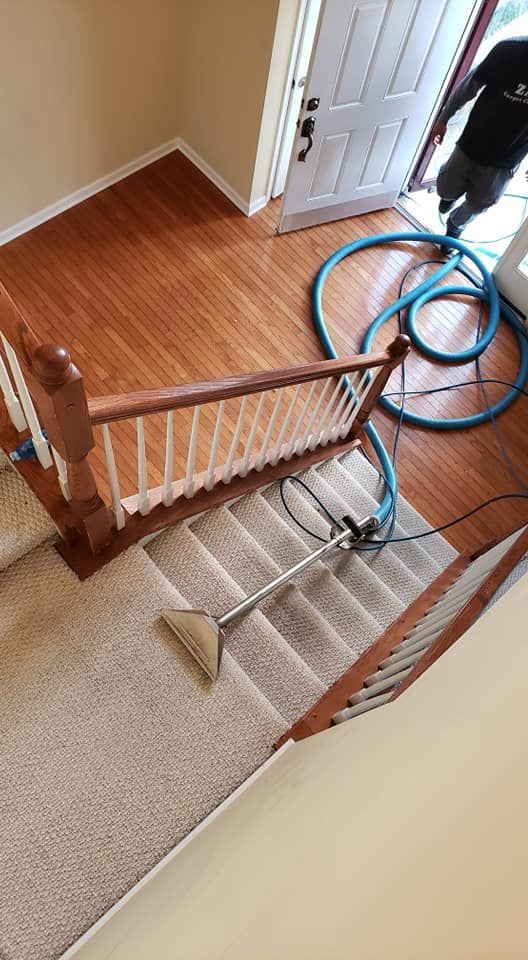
(464, 516)
(314, 496)
(454, 386)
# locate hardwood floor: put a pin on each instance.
(160, 280)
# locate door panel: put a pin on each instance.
(377, 69)
(361, 43)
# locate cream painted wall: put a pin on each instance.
(401, 834)
(224, 52)
(86, 86)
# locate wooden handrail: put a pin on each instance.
(17, 331)
(143, 402)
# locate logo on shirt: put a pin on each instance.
(520, 95)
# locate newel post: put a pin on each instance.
(61, 398)
(397, 351)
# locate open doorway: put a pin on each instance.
(493, 230)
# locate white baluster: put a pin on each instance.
(355, 406)
(228, 468)
(388, 683)
(209, 481)
(347, 416)
(288, 453)
(342, 413)
(244, 466)
(188, 487)
(261, 459)
(115, 493)
(167, 495)
(62, 473)
(344, 400)
(302, 444)
(275, 456)
(143, 497)
(349, 712)
(16, 414)
(327, 414)
(39, 441)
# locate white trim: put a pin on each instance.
(47, 213)
(75, 947)
(215, 178)
(257, 205)
(287, 92)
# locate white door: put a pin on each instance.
(377, 68)
(511, 272)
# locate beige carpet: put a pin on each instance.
(113, 743)
(23, 522)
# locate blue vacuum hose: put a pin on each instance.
(413, 302)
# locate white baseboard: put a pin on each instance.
(47, 213)
(257, 205)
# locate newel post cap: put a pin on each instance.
(52, 364)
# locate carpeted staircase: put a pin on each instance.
(114, 743)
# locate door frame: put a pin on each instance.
(299, 37)
(469, 46)
(512, 282)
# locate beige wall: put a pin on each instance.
(85, 87)
(224, 53)
(401, 834)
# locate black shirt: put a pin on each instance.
(496, 133)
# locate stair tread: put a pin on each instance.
(349, 567)
(412, 555)
(299, 622)
(115, 744)
(24, 524)
(279, 672)
(386, 563)
(409, 518)
(357, 627)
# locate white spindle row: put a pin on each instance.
(379, 687)
(39, 441)
(23, 415)
(291, 421)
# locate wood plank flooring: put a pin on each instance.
(160, 280)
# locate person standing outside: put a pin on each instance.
(494, 140)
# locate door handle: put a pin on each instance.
(307, 130)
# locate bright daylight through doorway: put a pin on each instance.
(492, 231)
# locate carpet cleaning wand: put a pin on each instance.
(203, 635)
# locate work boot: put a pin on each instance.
(451, 231)
(445, 206)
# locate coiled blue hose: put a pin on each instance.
(414, 300)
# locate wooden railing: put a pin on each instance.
(231, 435)
(439, 617)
